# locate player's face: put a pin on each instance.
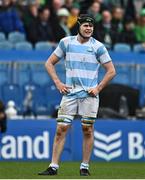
(86, 29)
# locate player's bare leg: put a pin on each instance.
(88, 139)
(59, 141)
(58, 145)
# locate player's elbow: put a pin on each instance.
(47, 64)
(112, 72)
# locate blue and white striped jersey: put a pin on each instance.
(82, 63)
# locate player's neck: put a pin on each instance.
(81, 39)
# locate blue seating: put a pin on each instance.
(124, 75)
(15, 37)
(4, 73)
(39, 74)
(122, 47)
(60, 67)
(41, 105)
(141, 74)
(53, 96)
(39, 102)
(23, 46)
(6, 45)
(12, 92)
(43, 46)
(23, 74)
(101, 73)
(138, 48)
(2, 37)
(61, 76)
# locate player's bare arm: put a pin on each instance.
(110, 73)
(50, 66)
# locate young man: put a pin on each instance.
(83, 56)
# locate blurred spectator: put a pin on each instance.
(117, 19)
(128, 35)
(41, 28)
(84, 4)
(68, 4)
(28, 103)
(3, 121)
(113, 3)
(30, 15)
(11, 111)
(130, 11)
(103, 5)
(9, 19)
(103, 30)
(94, 11)
(56, 5)
(140, 27)
(74, 13)
(61, 29)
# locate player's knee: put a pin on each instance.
(87, 131)
(61, 130)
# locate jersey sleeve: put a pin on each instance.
(60, 50)
(103, 55)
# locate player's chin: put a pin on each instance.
(88, 35)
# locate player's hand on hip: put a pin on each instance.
(93, 91)
(63, 88)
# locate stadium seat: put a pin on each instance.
(39, 74)
(43, 46)
(138, 48)
(101, 73)
(61, 76)
(23, 74)
(2, 37)
(23, 46)
(15, 37)
(53, 96)
(12, 92)
(41, 105)
(60, 67)
(6, 45)
(124, 75)
(141, 74)
(122, 47)
(39, 102)
(4, 73)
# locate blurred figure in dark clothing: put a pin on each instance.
(103, 30)
(30, 15)
(117, 19)
(68, 4)
(9, 18)
(41, 28)
(94, 11)
(130, 11)
(128, 34)
(3, 118)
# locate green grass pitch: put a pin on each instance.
(70, 170)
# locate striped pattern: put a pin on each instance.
(87, 121)
(82, 62)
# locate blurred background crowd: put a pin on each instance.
(117, 21)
